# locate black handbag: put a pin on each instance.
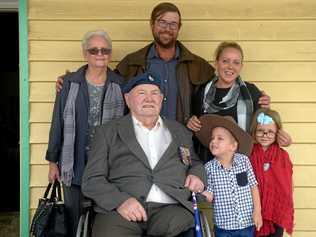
(50, 217)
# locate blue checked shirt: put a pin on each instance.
(167, 73)
(231, 188)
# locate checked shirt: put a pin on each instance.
(233, 205)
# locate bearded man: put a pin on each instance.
(181, 71)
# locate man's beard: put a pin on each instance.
(170, 44)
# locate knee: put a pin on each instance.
(173, 224)
(112, 224)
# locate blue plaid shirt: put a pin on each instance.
(231, 188)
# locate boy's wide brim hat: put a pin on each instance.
(211, 121)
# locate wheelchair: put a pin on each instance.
(84, 228)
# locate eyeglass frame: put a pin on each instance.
(272, 134)
(102, 51)
(165, 24)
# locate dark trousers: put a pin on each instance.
(163, 220)
(246, 232)
(73, 199)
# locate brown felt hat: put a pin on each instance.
(210, 121)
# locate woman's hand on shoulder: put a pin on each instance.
(194, 124)
(264, 100)
(283, 138)
(60, 81)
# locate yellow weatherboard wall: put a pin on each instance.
(279, 42)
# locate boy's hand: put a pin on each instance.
(209, 196)
(257, 219)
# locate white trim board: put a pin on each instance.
(9, 5)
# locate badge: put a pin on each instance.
(185, 155)
(150, 78)
(266, 166)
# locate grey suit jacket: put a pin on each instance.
(118, 168)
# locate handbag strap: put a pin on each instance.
(59, 192)
(56, 192)
(47, 190)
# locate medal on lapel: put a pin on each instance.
(266, 166)
(185, 155)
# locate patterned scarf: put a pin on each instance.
(113, 107)
(238, 94)
(273, 170)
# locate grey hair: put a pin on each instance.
(87, 36)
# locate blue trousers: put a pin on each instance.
(246, 232)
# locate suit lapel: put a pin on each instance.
(127, 134)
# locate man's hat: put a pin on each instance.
(211, 121)
(145, 78)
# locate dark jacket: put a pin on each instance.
(191, 72)
(82, 109)
(197, 107)
(119, 169)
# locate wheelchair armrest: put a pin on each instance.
(87, 204)
(200, 198)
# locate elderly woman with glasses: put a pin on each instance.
(90, 96)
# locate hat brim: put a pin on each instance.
(211, 121)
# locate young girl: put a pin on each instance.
(273, 170)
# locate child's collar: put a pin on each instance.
(235, 161)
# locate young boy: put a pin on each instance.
(232, 186)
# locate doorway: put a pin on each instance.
(9, 120)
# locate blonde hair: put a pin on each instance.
(87, 36)
(272, 113)
(227, 44)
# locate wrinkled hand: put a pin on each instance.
(194, 124)
(264, 100)
(283, 138)
(209, 196)
(257, 219)
(60, 81)
(132, 210)
(53, 172)
(194, 184)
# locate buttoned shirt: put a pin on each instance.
(233, 204)
(154, 143)
(166, 70)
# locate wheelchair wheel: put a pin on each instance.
(86, 230)
(205, 225)
(83, 225)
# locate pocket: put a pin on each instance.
(242, 179)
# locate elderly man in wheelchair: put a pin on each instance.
(142, 169)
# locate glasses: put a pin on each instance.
(269, 134)
(164, 24)
(102, 51)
